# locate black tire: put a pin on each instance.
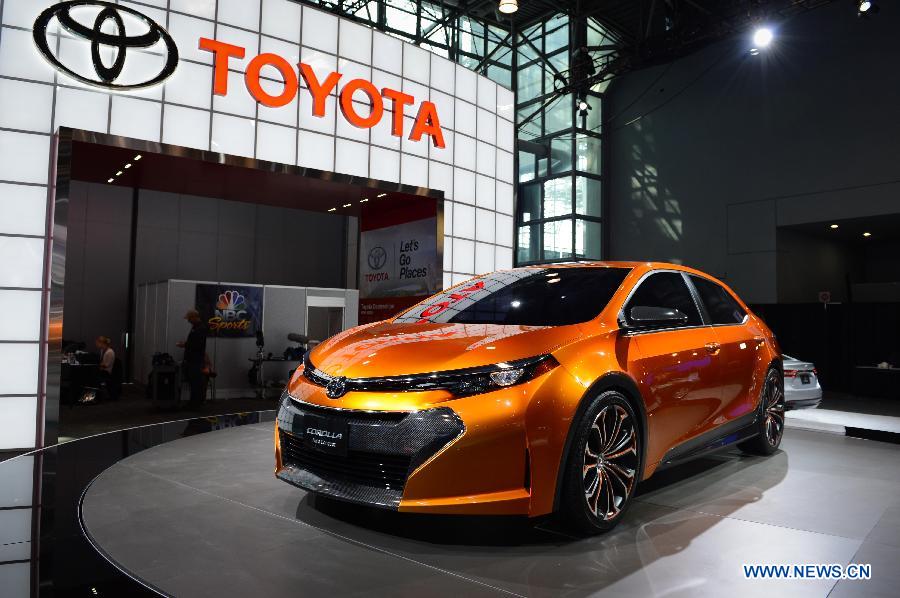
(770, 416)
(596, 494)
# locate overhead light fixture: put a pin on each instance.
(138, 157)
(119, 173)
(834, 226)
(332, 209)
(762, 37)
(508, 7)
(865, 8)
(347, 205)
(127, 166)
(867, 234)
(110, 180)
(364, 200)
(583, 107)
(382, 194)
(754, 51)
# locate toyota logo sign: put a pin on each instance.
(108, 31)
(377, 258)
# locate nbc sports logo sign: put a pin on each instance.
(230, 311)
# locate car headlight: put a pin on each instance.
(461, 383)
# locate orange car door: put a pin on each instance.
(677, 367)
(740, 340)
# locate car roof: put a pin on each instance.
(622, 264)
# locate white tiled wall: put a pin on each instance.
(475, 170)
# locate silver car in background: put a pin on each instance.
(801, 384)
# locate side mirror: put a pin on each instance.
(643, 316)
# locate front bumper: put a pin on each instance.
(385, 447)
(493, 453)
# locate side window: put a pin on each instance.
(720, 305)
(666, 289)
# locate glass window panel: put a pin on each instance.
(527, 164)
(401, 15)
(561, 154)
(529, 244)
(557, 239)
(542, 167)
(588, 196)
(530, 202)
(559, 115)
(530, 82)
(558, 197)
(532, 128)
(587, 239)
(587, 150)
(557, 35)
(500, 75)
(594, 119)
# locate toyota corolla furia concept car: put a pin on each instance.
(531, 391)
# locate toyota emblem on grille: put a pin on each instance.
(336, 388)
(109, 31)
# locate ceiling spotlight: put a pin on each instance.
(110, 180)
(762, 37)
(867, 234)
(332, 209)
(346, 205)
(754, 51)
(583, 107)
(364, 200)
(138, 157)
(119, 173)
(508, 7)
(834, 226)
(127, 166)
(382, 194)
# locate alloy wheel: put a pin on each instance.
(773, 397)
(610, 461)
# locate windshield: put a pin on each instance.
(525, 297)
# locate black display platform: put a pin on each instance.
(204, 516)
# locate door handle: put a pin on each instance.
(713, 348)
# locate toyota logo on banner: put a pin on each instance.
(377, 258)
(108, 32)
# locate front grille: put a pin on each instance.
(383, 449)
(366, 469)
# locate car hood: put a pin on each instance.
(392, 349)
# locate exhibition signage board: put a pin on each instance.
(361, 103)
(398, 262)
(230, 311)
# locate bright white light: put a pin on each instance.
(127, 166)
(138, 157)
(382, 194)
(346, 205)
(582, 105)
(516, 303)
(867, 234)
(332, 209)
(834, 226)
(508, 7)
(110, 180)
(762, 37)
(864, 6)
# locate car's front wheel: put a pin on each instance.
(603, 465)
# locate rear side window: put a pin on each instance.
(666, 289)
(720, 305)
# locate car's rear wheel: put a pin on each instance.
(771, 416)
(603, 465)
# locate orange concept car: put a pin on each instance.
(531, 391)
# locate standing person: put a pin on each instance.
(106, 368)
(195, 356)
